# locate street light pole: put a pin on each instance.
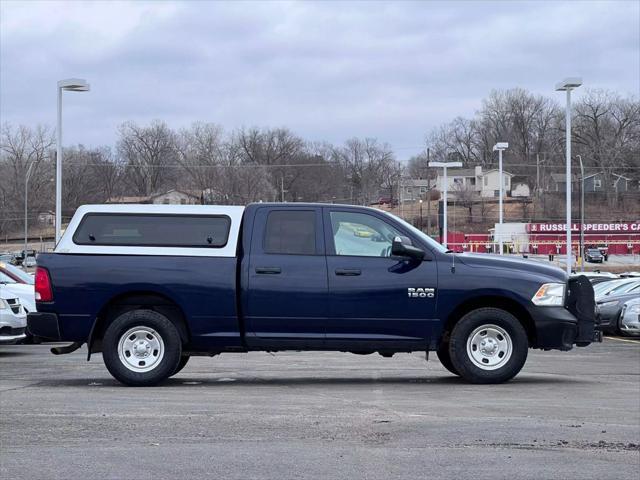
(26, 203)
(567, 85)
(500, 147)
(420, 214)
(444, 166)
(71, 85)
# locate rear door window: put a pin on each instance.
(153, 230)
(290, 232)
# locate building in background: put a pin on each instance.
(170, 197)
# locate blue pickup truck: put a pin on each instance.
(150, 286)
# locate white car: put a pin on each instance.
(629, 322)
(22, 291)
(13, 319)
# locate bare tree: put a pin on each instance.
(367, 165)
(607, 133)
(465, 197)
(21, 148)
(149, 154)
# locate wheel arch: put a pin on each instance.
(131, 300)
(493, 301)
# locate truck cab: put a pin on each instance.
(150, 286)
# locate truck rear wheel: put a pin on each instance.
(488, 345)
(141, 348)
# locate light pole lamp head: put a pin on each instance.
(500, 146)
(568, 84)
(74, 85)
(445, 164)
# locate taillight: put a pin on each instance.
(43, 285)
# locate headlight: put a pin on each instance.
(608, 304)
(549, 294)
(633, 309)
(3, 304)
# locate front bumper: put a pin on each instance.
(12, 327)
(558, 329)
(629, 323)
(576, 323)
(44, 325)
(9, 336)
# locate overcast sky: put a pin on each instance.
(327, 70)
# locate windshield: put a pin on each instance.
(7, 269)
(423, 236)
(615, 285)
(4, 278)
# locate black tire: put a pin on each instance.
(445, 357)
(164, 359)
(184, 359)
(507, 331)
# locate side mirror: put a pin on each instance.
(402, 248)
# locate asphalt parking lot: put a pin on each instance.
(322, 415)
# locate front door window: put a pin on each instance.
(361, 235)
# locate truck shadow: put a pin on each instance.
(191, 381)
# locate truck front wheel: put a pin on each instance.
(141, 348)
(488, 345)
(445, 357)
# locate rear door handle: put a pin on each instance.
(348, 272)
(268, 270)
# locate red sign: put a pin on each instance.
(618, 227)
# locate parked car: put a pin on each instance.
(25, 292)
(610, 308)
(19, 257)
(593, 255)
(29, 262)
(363, 232)
(597, 276)
(15, 273)
(630, 275)
(629, 322)
(160, 283)
(386, 201)
(13, 319)
(604, 250)
(616, 287)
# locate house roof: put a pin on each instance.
(417, 182)
(560, 177)
(620, 176)
(460, 172)
(156, 195)
(496, 170)
(131, 199)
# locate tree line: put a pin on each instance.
(605, 133)
(276, 164)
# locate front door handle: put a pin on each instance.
(268, 270)
(348, 272)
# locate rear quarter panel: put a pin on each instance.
(202, 287)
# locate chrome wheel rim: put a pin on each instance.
(489, 347)
(140, 349)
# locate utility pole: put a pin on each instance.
(444, 166)
(26, 222)
(282, 190)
